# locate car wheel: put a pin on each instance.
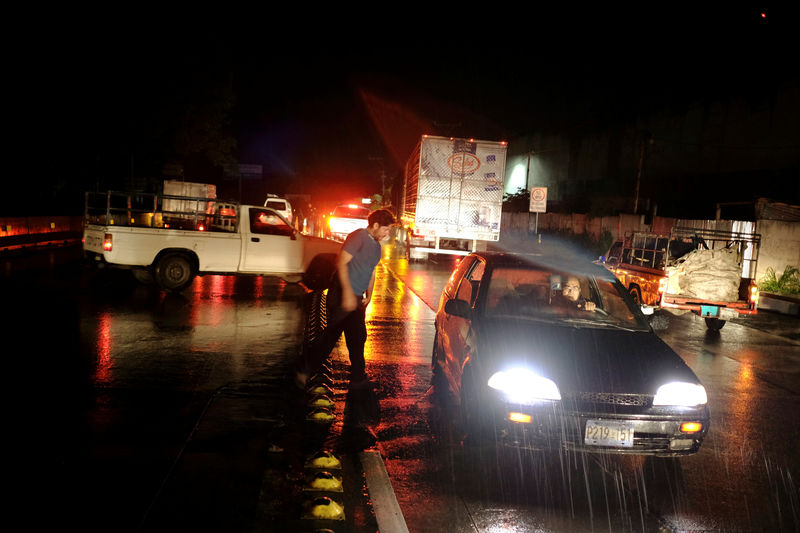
(174, 272)
(714, 324)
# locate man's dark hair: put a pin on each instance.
(383, 217)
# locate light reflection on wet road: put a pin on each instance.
(124, 373)
(743, 479)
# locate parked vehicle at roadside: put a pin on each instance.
(543, 351)
(124, 230)
(708, 272)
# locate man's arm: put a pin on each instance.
(349, 302)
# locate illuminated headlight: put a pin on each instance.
(523, 386)
(681, 394)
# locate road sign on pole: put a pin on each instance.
(538, 200)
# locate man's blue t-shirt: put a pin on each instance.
(366, 252)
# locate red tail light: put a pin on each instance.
(662, 285)
(107, 244)
(753, 294)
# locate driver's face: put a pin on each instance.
(571, 289)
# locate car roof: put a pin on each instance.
(552, 258)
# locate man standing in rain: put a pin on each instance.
(349, 295)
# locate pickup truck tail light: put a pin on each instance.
(108, 245)
(753, 294)
(662, 285)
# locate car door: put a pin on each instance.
(455, 329)
(270, 245)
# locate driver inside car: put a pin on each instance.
(570, 294)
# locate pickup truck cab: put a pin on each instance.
(227, 239)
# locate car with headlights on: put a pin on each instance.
(345, 219)
(546, 351)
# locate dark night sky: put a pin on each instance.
(334, 98)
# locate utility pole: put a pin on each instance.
(647, 138)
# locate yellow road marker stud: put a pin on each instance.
(324, 459)
(324, 481)
(323, 508)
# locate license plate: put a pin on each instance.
(614, 433)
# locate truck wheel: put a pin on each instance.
(714, 324)
(636, 294)
(174, 272)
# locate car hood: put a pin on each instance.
(580, 359)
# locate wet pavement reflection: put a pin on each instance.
(150, 411)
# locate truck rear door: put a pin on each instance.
(269, 244)
(93, 237)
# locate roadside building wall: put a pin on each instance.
(780, 245)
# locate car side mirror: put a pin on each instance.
(458, 308)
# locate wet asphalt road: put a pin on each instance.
(146, 411)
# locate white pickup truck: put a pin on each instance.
(219, 238)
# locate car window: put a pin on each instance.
(266, 222)
(468, 289)
(541, 293)
(278, 205)
(455, 277)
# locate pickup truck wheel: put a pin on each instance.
(636, 294)
(714, 324)
(174, 272)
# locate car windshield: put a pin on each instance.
(550, 295)
(278, 205)
(349, 211)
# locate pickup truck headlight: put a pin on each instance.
(524, 386)
(681, 394)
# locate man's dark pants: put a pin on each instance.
(352, 324)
